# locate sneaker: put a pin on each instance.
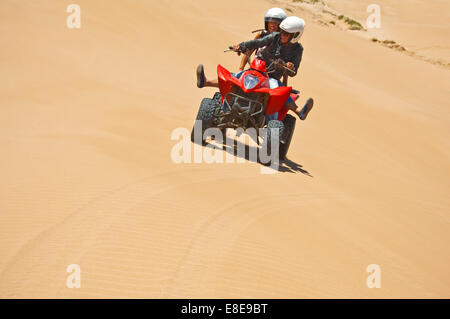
(200, 76)
(308, 106)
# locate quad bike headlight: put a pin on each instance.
(250, 81)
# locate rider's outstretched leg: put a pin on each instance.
(301, 113)
(202, 81)
(306, 108)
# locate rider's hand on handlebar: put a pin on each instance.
(290, 65)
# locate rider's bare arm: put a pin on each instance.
(244, 59)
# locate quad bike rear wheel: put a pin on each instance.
(272, 127)
(289, 126)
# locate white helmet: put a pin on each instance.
(293, 25)
(274, 14)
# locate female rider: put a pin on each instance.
(272, 20)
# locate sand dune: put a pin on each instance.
(421, 26)
(87, 177)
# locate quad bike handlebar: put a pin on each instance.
(231, 48)
(239, 51)
(275, 64)
(279, 63)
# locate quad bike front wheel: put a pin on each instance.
(217, 97)
(205, 117)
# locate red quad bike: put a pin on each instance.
(247, 101)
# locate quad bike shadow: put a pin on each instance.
(286, 165)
